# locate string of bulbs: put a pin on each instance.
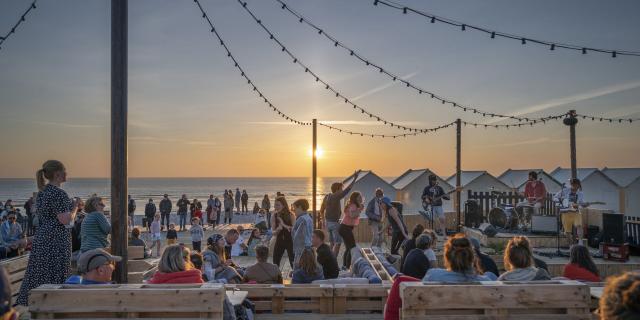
(493, 34)
(17, 24)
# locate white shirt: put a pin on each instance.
(236, 248)
(430, 254)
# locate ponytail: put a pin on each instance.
(40, 179)
(49, 168)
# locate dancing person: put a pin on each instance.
(156, 236)
(95, 228)
(135, 241)
(326, 259)
(485, 262)
(175, 267)
(410, 244)
(197, 233)
(621, 297)
(571, 201)
(50, 258)
(263, 272)
(416, 263)
(460, 263)
(165, 211)
(581, 267)
(399, 230)
(282, 222)
(432, 195)
(266, 205)
(302, 228)
(534, 194)
(183, 205)
(350, 219)
(95, 266)
(331, 210)
(149, 213)
(374, 215)
(238, 200)
(518, 261)
(245, 201)
(308, 269)
(131, 209)
(217, 264)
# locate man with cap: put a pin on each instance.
(95, 267)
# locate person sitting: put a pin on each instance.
(394, 302)
(12, 237)
(429, 252)
(326, 259)
(518, 260)
(135, 241)
(410, 244)
(254, 240)
(175, 267)
(486, 263)
(234, 242)
(198, 262)
(308, 269)
(6, 311)
(216, 264)
(95, 227)
(94, 267)
(460, 262)
(416, 264)
(263, 272)
(621, 297)
(581, 267)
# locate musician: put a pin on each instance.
(534, 194)
(571, 200)
(432, 195)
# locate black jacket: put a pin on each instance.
(416, 264)
(328, 262)
(166, 206)
(150, 210)
(487, 263)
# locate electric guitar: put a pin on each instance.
(427, 201)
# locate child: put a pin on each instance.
(172, 234)
(254, 240)
(261, 221)
(197, 214)
(155, 234)
(197, 233)
(302, 228)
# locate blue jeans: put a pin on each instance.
(183, 220)
(334, 236)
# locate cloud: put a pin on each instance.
(599, 92)
(384, 86)
(159, 140)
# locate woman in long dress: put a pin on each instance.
(50, 258)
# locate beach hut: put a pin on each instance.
(367, 184)
(596, 186)
(628, 179)
(477, 181)
(410, 185)
(517, 179)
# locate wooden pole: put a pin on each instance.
(458, 170)
(572, 141)
(314, 174)
(119, 111)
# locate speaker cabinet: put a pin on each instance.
(613, 228)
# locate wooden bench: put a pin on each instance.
(132, 301)
(295, 299)
(366, 299)
(135, 252)
(16, 268)
(495, 300)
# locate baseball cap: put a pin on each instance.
(387, 201)
(95, 258)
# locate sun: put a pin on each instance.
(319, 152)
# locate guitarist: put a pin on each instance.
(432, 195)
(571, 200)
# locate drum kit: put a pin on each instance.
(509, 217)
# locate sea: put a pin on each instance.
(141, 189)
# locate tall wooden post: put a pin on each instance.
(119, 111)
(458, 169)
(314, 174)
(572, 141)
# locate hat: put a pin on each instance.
(387, 201)
(93, 259)
(214, 238)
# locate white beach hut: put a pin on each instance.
(367, 184)
(410, 186)
(628, 179)
(517, 179)
(477, 181)
(596, 186)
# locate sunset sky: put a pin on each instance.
(192, 115)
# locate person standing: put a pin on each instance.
(217, 208)
(245, 201)
(50, 258)
(534, 194)
(302, 229)
(183, 205)
(374, 215)
(432, 195)
(399, 230)
(282, 224)
(131, 208)
(95, 228)
(165, 211)
(350, 220)
(266, 205)
(238, 199)
(27, 210)
(211, 215)
(331, 210)
(149, 213)
(193, 207)
(228, 206)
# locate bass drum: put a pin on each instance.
(503, 218)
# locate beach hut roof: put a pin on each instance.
(564, 174)
(363, 173)
(411, 175)
(516, 178)
(622, 176)
(467, 177)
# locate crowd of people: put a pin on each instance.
(287, 229)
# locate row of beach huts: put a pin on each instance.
(619, 188)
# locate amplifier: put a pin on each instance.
(544, 224)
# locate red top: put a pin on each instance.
(394, 303)
(187, 276)
(538, 191)
(576, 272)
(348, 211)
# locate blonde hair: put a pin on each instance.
(91, 205)
(175, 258)
(49, 169)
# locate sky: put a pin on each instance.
(192, 115)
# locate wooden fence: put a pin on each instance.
(484, 200)
(633, 229)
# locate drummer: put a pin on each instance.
(571, 200)
(534, 194)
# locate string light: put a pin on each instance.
(523, 40)
(392, 76)
(17, 24)
(610, 120)
(390, 136)
(243, 73)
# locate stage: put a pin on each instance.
(500, 240)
